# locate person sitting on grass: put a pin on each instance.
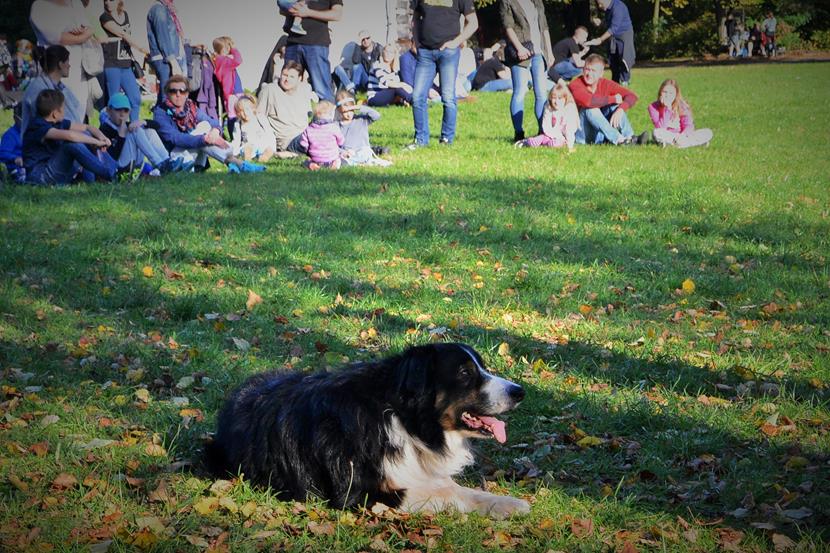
(560, 121)
(11, 148)
(672, 117)
(602, 107)
(286, 104)
(387, 88)
(354, 123)
(188, 132)
(132, 142)
(322, 139)
(55, 149)
(568, 53)
(256, 140)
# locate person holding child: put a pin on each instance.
(256, 139)
(286, 104)
(672, 118)
(620, 34)
(354, 121)
(55, 149)
(118, 54)
(322, 139)
(132, 141)
(387, 87)
(188, 132)
(560, 121)
(602, 107)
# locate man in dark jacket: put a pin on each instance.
(620, 30)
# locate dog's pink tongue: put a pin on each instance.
(497, 427)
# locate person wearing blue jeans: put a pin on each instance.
(527, 53)
(55, 150)
(118, 54)
(164, 36)
(568, 53)
(311, 50)
(595, 126)
(438, 36)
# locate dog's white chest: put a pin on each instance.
(417, 466)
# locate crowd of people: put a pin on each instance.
(745, 39)
(303, 106)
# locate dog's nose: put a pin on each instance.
(516, 392)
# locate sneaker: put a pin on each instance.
(248, 167)
(234, 169)
(297, 27)
(381, 150)
(519, 144)
(414, 146)
(187, 166)
(445, 141)
(518, 135)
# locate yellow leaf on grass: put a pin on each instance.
(254, 299)
(248, 509)
(229, 504)
(206, 505)
(143, 395)
(589, 441)
(155, 450)
(688, 286)
(148, 271)
(504, 349)
(585, 309)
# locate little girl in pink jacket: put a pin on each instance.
(672, 117)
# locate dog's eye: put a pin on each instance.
(465, 371)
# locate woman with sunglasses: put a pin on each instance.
(188, 132)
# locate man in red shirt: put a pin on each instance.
(602, 107)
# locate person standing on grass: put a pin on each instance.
(166, 39)
(438, 35)
(528, 36)
(769, 25)
(118, 55)
(620, 31)
(287, 104)
(188, 132)
(602, 107)
(311, 50)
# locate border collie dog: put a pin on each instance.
(394, 431)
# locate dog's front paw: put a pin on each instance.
(504, 506)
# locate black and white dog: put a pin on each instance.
(394, 431)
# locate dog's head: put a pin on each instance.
(445, 387)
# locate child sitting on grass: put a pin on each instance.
(560, 121)
(256, 139)
(354, 123)
(132, 141)
(54, 148)
(322, 139)
(11, 148)
(672, 118)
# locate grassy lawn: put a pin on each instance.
(668, 312)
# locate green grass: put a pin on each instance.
(565, 271)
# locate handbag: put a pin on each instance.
(92, 57)
(138, 69)
(511, 55)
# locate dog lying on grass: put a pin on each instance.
(394, 431)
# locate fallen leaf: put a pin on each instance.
(797, 514)
(147, 271)
(197, 541)
(155, 450)
(161, 494)
(206, 505)
(582, 527)
(143, 395)
(49, 420)
(589, 441)
(321, 528)
(782, 542)
(254, 299)
(39, 449)
(241, 344)
(504, 349)
(64, 481)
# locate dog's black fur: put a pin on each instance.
(327, 434)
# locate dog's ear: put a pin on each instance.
(413, 372)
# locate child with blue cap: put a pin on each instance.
(133, 142)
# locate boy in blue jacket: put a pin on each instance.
(11, 147)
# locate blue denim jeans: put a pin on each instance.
(71, 158)
(123, 79)
(498, 85)
(430, 62)
(521, 76)
(359, 79)
(595, 128)
(567, 70)
(142, 143)
(315, 59)
(162, 69)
